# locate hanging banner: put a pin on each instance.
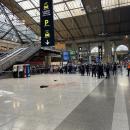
(47, 23)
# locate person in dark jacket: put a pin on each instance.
(88, 69)
(107, 71)
(99, 70)
(102, 70)
(94, 70)
(66, 69)
(114, 69)
(82, 70)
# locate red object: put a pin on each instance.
(24, 69)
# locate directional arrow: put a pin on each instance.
(47, 42)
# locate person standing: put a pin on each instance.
(94, 70)
(82, 70)
(114, 69)
(102, 70)
(128, 68)
(98, 71)
(88, 69)
(66, 69)
(107, 71)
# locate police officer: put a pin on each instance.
(99, 67)
(82, 70)
(66, 69)
(88, 69)
(94, 70)
(102, 70)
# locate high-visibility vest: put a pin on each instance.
(128, 65)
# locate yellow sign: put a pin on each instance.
(60, 46)
(46, 6)
(46, 23)
(47, 34)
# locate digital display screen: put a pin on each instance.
(66, 55)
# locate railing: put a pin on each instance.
(19, 55)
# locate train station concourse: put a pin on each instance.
(64, 64)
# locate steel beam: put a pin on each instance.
(15, 30)
(25, 36)
(74, 19)
(14, 7)
(88, 17)
(96, 39)
(103, 18)
(6, 33)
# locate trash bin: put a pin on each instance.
(28, 70)
(20, 71)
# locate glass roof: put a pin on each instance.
(62, 8)
(110, 4)
(5, 26)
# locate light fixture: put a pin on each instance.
(23, 21)
(126, 36)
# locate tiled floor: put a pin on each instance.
(73, 102)
(25, 106)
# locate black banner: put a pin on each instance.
(47, 23)
(100, 53)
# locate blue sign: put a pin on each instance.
(66, 55)
(97, 59)
(47, 23)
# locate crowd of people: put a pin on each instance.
(95, 70)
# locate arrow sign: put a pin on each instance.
(47, 42)
(47, 23)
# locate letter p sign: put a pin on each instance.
(46, 23)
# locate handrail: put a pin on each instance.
(2, 61)
(20, 56)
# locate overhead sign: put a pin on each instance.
(47, 23)
(60, 46)
(66, 55)
(73, 54)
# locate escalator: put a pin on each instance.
(17, 55)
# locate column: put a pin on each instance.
(129, 44)
(107, 52)
(47, 61)
(115, 53)
(89, 54)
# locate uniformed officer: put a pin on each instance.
(88, 69)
